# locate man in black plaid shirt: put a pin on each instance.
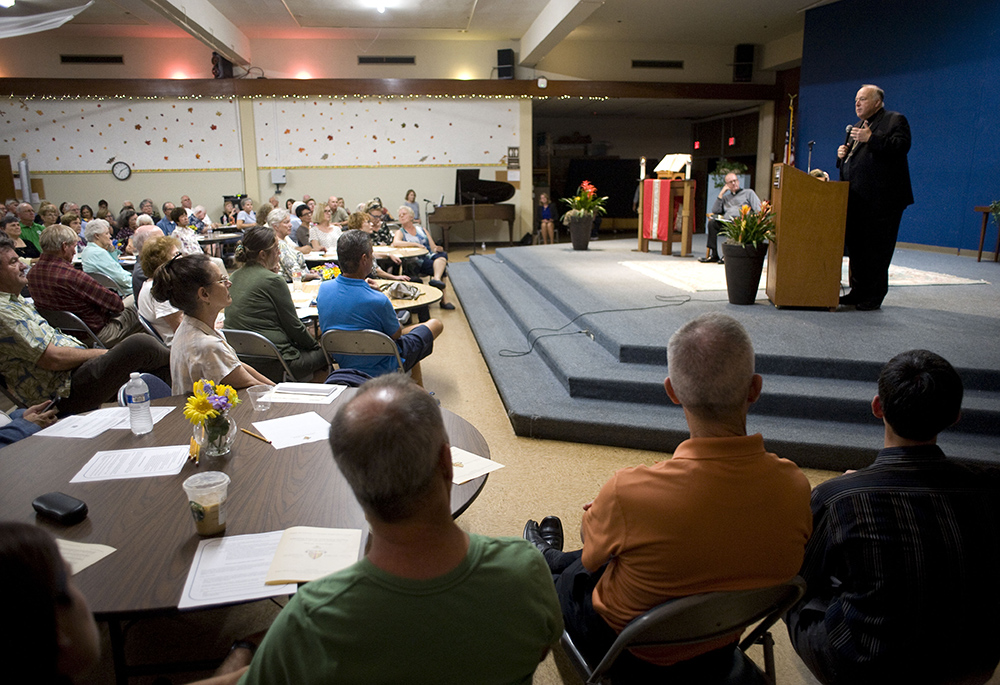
(903, 561)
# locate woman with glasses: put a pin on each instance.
(196, 286)
(261, 303)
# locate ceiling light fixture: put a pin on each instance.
(381, 9)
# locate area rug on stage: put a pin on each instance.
(695, 277)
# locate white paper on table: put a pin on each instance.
(467, 465)
(138, 463)
(306, 312)
(96, 422)
(157, 412)
(291, 398)
(297, 429)
(232, 569)
(80, 555)
(307, 553)
(321, 389)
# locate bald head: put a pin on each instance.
(144, 233)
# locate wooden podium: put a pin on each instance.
(659, 202)
(804, 261)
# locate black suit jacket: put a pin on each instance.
(878, 171)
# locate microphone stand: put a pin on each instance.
(809, 163)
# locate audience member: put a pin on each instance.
(274, 202)
(262, 213)
(48, 213)
(162, 316)
(246, 216)
(186, 204)
(38, 362)
(262, 304)
(291, 257)
(100, 256)
(128, 222)
(24, 422)
(55, 638)
(166, 224)
(433, 263)
(901, 568)
(349, 303)
(323, 235)
(229, 212)
(199, 219)
(144, 233)
(147, 207)
(12, 227)
(453, 607)
(410, 200)
(359, 221)
(338, 214)
(197, 287)
(29, 229)
(86, 213)
(55, 284)
(547, 219)
(721, 515)
(184, 233)
(300, 228)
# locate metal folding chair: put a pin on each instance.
(71, 324)
(367, 343)
(252, 346)
(701, 618)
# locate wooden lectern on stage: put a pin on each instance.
(804, 260)
(659, 203)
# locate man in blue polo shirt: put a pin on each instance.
(349, 303)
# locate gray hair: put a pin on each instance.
(878, 91)
(95, 227)
(144, 233)
(404, 208)
(387, 442)
(144, 220)
(55, 236)
(710, 362)
(276, 216)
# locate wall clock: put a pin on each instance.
(121, 170)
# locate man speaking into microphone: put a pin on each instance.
(873, 161)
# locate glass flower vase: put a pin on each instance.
(216, 435)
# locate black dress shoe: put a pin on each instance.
(709, 260)
(868, 306)
(849, 298)
(721, 261)
(434, 283)
(447, 305)
(551, 531)
(532, 535)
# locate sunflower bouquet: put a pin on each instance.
(208, 408)
(327, 271)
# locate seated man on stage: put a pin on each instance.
(902, 564)
(429, 602)
(38, 362)
(721, 515)
(727, 206)
(54, 283)
(348, 303)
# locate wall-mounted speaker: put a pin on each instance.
(743, 61)
(505, 64)
(221, 67)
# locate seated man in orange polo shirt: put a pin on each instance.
(721, 515)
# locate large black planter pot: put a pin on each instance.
(743, 267)
(579, 231)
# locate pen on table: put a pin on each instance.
(254, 435)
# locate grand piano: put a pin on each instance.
(475, 200)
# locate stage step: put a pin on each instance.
(572, 385)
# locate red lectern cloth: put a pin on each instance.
(658, 209)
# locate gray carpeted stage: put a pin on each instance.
(600, 378)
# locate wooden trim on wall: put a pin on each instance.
(28, 87)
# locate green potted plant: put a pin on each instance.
(747, 236)
(584, 206)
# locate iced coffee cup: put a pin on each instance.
(207, 493)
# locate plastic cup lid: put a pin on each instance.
(206, 480)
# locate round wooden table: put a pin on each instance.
(148, 521)
(428, 295)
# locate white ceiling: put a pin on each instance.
(716, 22)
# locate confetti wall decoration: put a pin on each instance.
(88, 135)
(374, 132)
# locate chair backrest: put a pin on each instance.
(106, 281)
(157, 388)
(704, 617)
(71, 324)
(249, 345)
(18, 402)
(367, 343)
(149, 328)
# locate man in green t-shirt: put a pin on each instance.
(430, 603)
(29, 229)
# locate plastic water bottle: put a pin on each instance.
(137, 398)
(297, 279)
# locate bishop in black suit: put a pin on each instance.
(873, 160)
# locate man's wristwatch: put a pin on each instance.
(243, 644)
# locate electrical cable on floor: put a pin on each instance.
(669, 300)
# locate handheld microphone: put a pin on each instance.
(847, 140)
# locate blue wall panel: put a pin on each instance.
(939, 64)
